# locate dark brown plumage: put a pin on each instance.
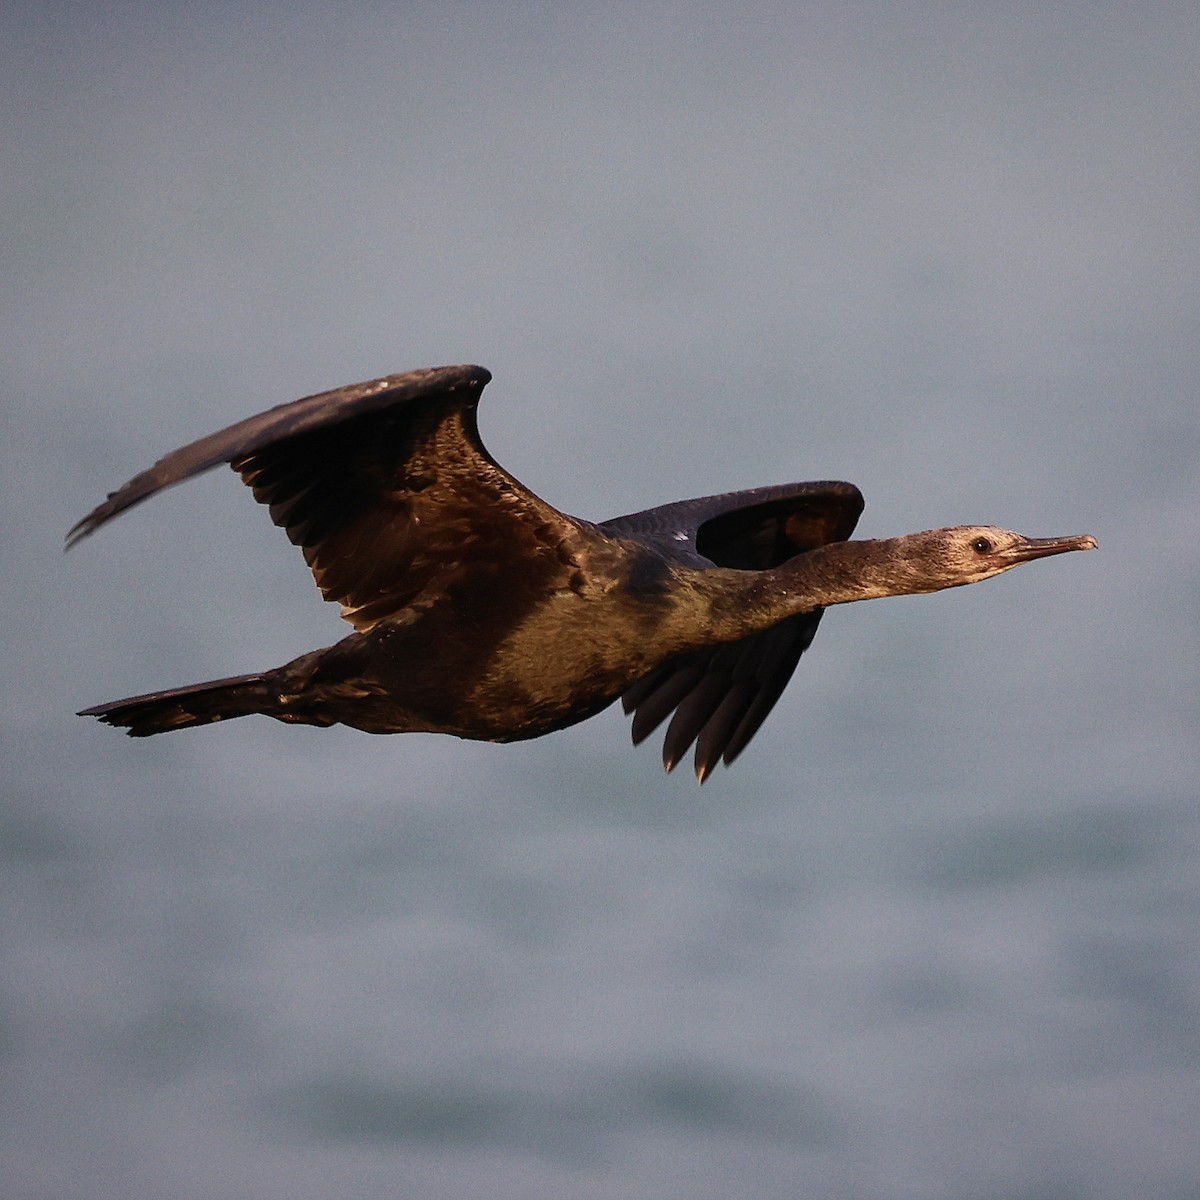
(481, 611)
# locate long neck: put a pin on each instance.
(840, 573)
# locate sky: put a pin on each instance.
(947, 252)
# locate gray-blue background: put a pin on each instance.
(936, 935)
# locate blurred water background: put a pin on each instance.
(935, 936)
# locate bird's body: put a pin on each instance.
(483, 612)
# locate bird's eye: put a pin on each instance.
(982, 545)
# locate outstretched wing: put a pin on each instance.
(721, 695)
(384, 485)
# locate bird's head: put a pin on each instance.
(969, 553)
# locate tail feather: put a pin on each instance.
(181, 708)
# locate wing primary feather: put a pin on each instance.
(758, 711)
(717, 730)
(656, 707)
(792, 639)
(690, 717)
(633, 696)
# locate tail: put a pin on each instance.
(181, 708)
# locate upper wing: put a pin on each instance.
(720, 695)
(384, 485)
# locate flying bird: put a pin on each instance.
(481, 611)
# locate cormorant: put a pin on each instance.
(480, 611)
